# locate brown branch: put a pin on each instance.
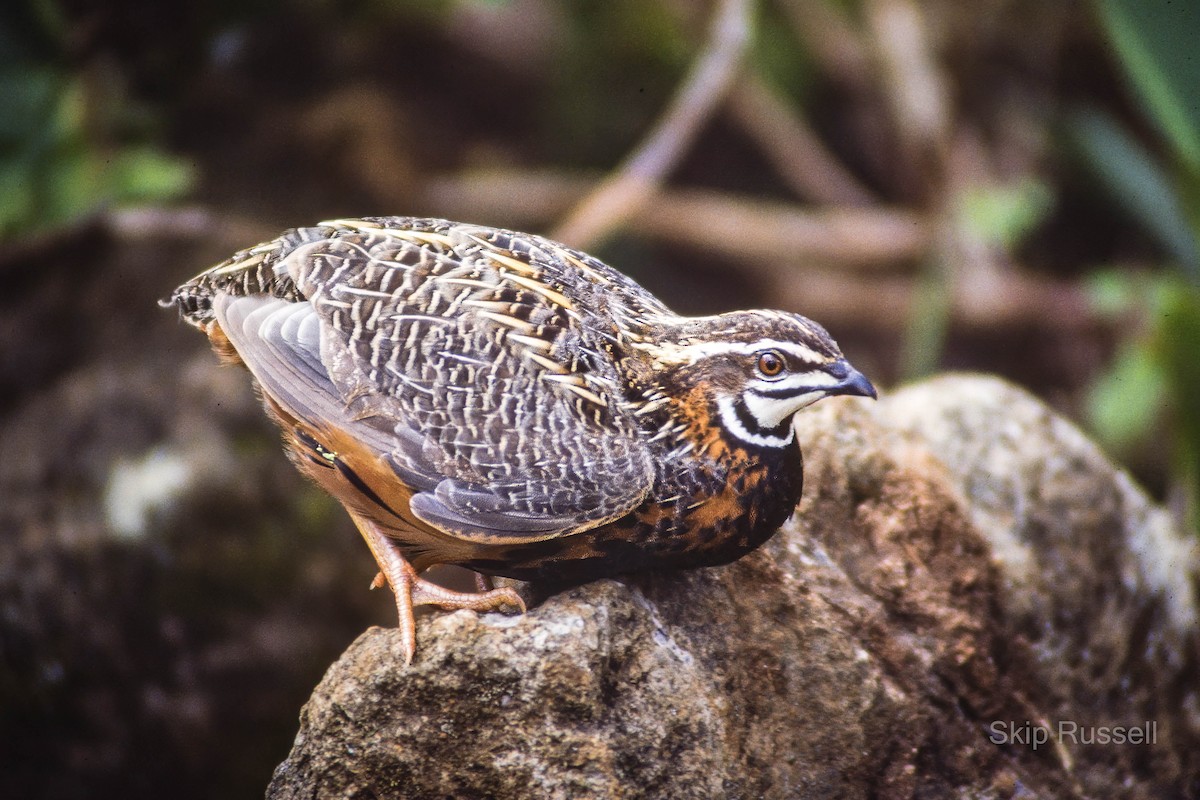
(917, 88)
(626, 191)
(802, 256)
(783, 235)
(745, 229)
(885, 303)
(794, 148)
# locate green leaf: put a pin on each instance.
(1178, 344)
(1005, 215)
(1124, 404)
(1157, 42)
(928, 321)
(16, 198)
(28, 96)
(70, 188)
(1112, 293)
(1137, 183)
(144, 174)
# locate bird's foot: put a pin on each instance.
(411, 590)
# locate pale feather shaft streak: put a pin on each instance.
(509, 262)
(256, 257)
(361, 292)
(531, 341)
(420, 237)
(567, 382)
(511, 322)
(558, 298)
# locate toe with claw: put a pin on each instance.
(411, 590)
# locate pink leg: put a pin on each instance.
(411, 590)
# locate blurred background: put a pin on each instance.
(1008, 186)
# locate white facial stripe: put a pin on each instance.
(814, 379)
(729, 418)
(770, 411)
(805, 389)
(691, 353)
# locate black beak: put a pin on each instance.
(851, 381)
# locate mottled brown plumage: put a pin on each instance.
(494, 399)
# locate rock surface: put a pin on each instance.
(964, 571)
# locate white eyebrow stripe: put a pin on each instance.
(691, 353)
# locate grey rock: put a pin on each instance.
(965, 566)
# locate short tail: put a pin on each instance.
(256, 270)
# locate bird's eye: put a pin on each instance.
(770, 364)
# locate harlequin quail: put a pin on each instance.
(497, 400)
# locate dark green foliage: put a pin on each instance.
(1152, 387)
(71, 141)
